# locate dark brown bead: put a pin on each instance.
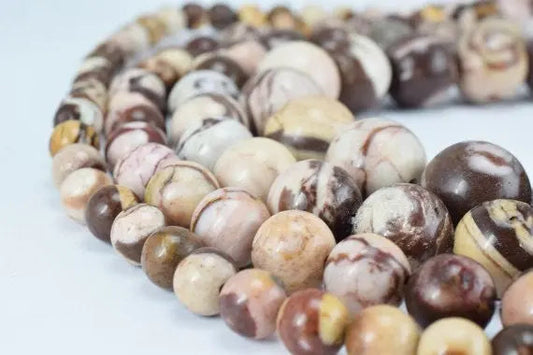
(201, 44)
(226, 66)
(221, 16)
(195, 15)
(111, 52)
(331, 38)
(530, 55)
(514, 340)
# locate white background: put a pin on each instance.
(64, 292)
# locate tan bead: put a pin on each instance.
(70, 132)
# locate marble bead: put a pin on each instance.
(195, 15)
(307, 125)
(222, 64)
(514, 340)
(454, 335)
(313, 14)
(97, 67)
(364, 270)
(92, 90)
(318, 187)
(450, 285)
(424, 71)
(169, 64)
(70, 132)
(252, 165)
(194, 110)
(111, 51)
(308, 58)
(382, 329)
(201, 44)
(178, 188)
(199, 278)
(135, 169)
(228, 219)
(164, 250)
(130, 107)
(143, 82)
(312, 321)
(410, 216)
(104, 206)
(79, 109)
(248, 54)
(129, 136)
(499, 235)
(331, 36)
(205, 141)
(132, 227)
(493, 61)
(249, 303)
(77, 188)
(517, 301)
(200, 82)
(221, 16)
(132, 39)
(293, 246)
(73, 157)
(174, 20)
(468, 173)
(267, 92)
(368, 151)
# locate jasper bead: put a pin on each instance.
(80, 109)
(248, 53)
(222, 64)
(201, 45)
(199, 278)
(228, 219)
(92, 90)
(468, 173)
(293, 246)
(221, 16)
(73, 157)
(195, 15)
(169, 64)
(143, 82)
(382, 329)
(164, 250)
(514, 340)
(517, 301)
(249, 303)
(132, 227)
(104, 206)
(70, 132)
(365, 270)
(312, 322)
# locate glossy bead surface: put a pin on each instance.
(514, 340)
(73, 157)
(141, 81)
(293, 246)
(70, 132)
(169, 64)
(517, 301)
(468, 173)
(249, 303)
(312, 322)
(195, 15)
(164, 250)
(79, 109)
(201, 44)
(222, 64)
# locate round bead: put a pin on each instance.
(201, 44)
(200, 82)
(195, 15)
(308, 58)
(332, 37)
(132, 38)
(271, 37)
(514, 340)
(132, 227)
(221, 16)
(223, 65)
(312, 322)
(451, 286)
(178, 188)
(368, 151)
(365, 270)
(468, 173)
(77, 188)
(73, 157)
(252, 15)
(249, 303)
(140, 81)
(247, 53)
(267, 92)
(454, 335)
(281, 17)
(493, 61)
(70, 132)
(227, 219)
(424, 71)
(320, 188)
(517, 301)
(96, 67)
(293, 246)
(92, 90)
(154, 25)
(170, 64)
(382, 329)
(239, 32)
(253, 165)
(164, 250)
(388, 30)
(80, 109)
(104, 206)
(199, 278)
(307, 125)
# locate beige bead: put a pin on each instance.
(74, 157)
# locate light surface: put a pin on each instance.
(62, 290)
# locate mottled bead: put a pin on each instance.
(77, 189)
(221, 16)
(169, 64)
(164, 250)
(111, 51)
(228, 219)
(199, 278)
(247, 53)
(307, 125)
(293, 246)
(272, 37)
(365, 270)
(195, 15)
(80, 109)
(92, 90)
(333, 37)
(252, 15)
(132, 38)
(73, 157)
(517, 301)
(239, 32)
(388, 30)
(368, 151)
(132, 227)
(281, 17)
(382, 329)
(173, 19)
(320, 188)
(468, 173)
(249, 303)
(514, 340)
(70, 132)
(178, 188)
(201, 44)
(154, 26)
(143, 82)
(312, 321)
(222, 64)
(99, 68)
(104, 206)
(252, 165)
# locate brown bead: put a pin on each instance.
(111, 51)
(224, 65)
(195, 15)
(201, 44)
(70, 132)
(221, 16)
(514, 340)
